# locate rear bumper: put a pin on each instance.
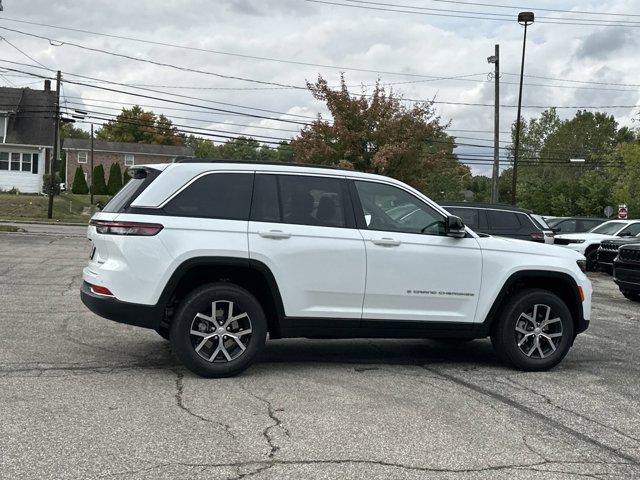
(147, 316)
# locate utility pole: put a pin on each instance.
(53, 164)
(524, 19)
(495, 59)
(91, 169)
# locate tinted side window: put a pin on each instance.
(266, 204)
(306, 200)
(567, 226)
(499, 220)
(631, 230)
(470, 216)
(586, 225)
(217, 195)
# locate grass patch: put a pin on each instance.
(67, 207)
(10, 228)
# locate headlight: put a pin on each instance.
(582, 264)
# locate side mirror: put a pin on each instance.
(556, 229)
(454, 227)
(99, 206)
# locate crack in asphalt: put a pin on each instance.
(267, 464)
(277, 422)
(179, 397)
(531, 412)
(550, 402)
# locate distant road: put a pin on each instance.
(49, 229)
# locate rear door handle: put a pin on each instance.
(277, 234)
(386, 242)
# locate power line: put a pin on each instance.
(508, 17)
(475, 17)
(520, 7)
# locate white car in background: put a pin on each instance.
(589, 242)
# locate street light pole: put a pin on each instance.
(495, 59)
(525, 19)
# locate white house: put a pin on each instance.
(26, 137)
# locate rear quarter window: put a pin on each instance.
(502, 220)
(225, 196)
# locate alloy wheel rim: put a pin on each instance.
(223, 335)
(538, 331)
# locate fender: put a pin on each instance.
(248, 264)
(533, 278)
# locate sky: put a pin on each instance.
(415, 54)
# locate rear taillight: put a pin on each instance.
(107, 227)
(101, 290)
(537, 236)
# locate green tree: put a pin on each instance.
(626, 177)
(99, 185)
(379, 134)
(115, 179)
(79, 182)
(139, 126)
(548, 182)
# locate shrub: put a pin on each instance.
(115, 179)
(99, 185)
(46, 185)
(126, 177)
(79, 182)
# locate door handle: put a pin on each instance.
(277, 234)
(386, 242)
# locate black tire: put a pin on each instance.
(200, 301)
(633, 296)
(592, 260)
(505, 338)
(163, 332)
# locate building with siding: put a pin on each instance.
(78, 154)
(26, 137)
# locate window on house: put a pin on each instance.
(4, 160)
(26, 162)
(3, 128)
(15, 162)
(82, 157)
(129, 160)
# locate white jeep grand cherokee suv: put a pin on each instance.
(215, 256)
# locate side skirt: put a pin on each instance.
(296, 327)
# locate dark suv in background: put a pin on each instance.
(608, 251)
(626, 271)
(574, 224)
(501, 220)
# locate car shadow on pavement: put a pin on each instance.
(475, 353)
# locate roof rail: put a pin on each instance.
(254, 162)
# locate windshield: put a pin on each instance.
(608, 228)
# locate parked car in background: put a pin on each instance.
(574, 224)
(589, 242)
(501, 220)
(608, 251)
(626, 271)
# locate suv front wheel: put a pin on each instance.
(534, 331)
(218, 330)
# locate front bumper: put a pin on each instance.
(627, 276)
(605, 257)
(147, 316)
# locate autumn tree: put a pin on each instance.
(136, 125)
(378, 134)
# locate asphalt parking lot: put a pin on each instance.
(82, 397)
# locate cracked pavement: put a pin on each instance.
(83, 397)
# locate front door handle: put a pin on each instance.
(277, 234)
(386, 242)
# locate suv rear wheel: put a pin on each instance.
(534, 331)
(218, 330)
